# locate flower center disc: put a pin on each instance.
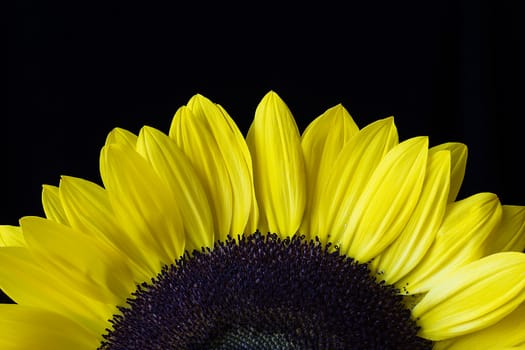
(265, 293)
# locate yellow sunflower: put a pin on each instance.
(339, 238)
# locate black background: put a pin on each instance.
(448, 69)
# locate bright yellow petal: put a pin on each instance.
(274, 142)
(472, 297)
(419, 233)
(122, 137)
(351, 171)
(509, 333)
(88, 210)
(510, 234)
(11, 236)
(458, 160)
(387, 201)
(194, 139)
(217, 150)
(174, 168)
(460, 240)
(52, 205)
(95, 268)
(87, 207)
(24, 280)
(24, 327)
(237, 157)
(322, 141)
(143, 207)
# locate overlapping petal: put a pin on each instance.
(26, 327)
(11, 236)
(461, 239)
(217, 150)
(95, 268)
(351, 171)
(458, 160)
(144, 207)
(387, 200)
(27, 283)
(505, 334)
(473, 297)
(178, 175)
(52, 204)
(321, 142)
(88, 210)
(510, 234)
(421, 229)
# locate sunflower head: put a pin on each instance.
(338, 237)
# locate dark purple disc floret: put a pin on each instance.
(260, 292)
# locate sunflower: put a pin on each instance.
(339, 238)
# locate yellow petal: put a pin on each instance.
(217, 149)
(24, 327)
(472, 297)
(458, 158)
(122, 137)
(194, 139)
(88, 210)
(24, 280)
(93, 267)
(87, 207)
(460, 240)
(387, 201)
(237, 157)
(508, 333)
(11, 236)
(52, 205)
(143, 207)
(417, 236)
(274, 142)
(351, 171)
(510, 234)
(322, 141)
(240, 166)
(174, 168)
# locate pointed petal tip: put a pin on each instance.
(198, 99)
(66, 178)
(387, 122)
(147, 130)
(46, 187)
(271, 105)
(117, 130)
(271, 96)
(121, 136)
(337, 109)
(420, 140)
